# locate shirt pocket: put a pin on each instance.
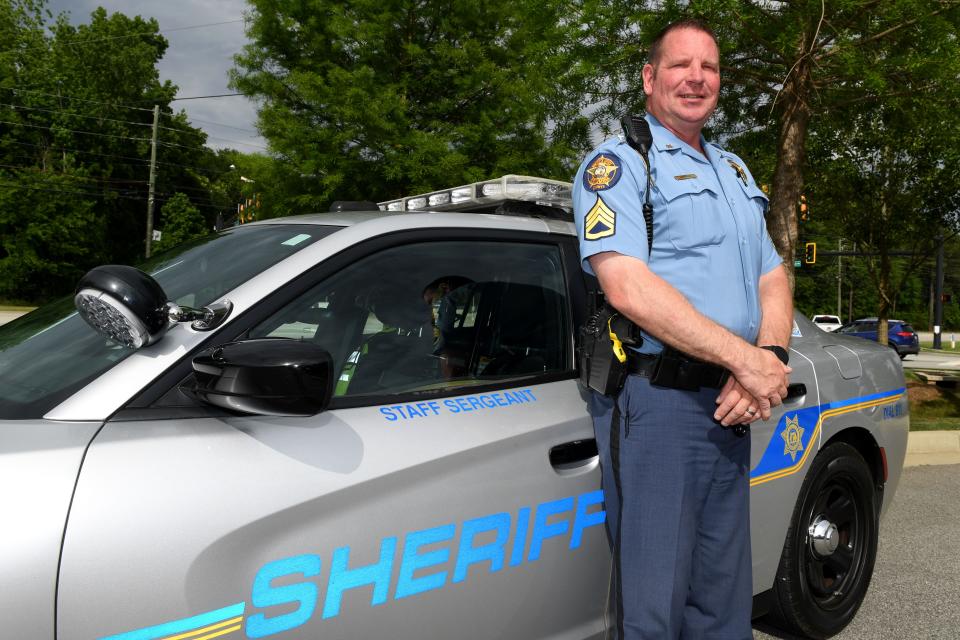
(691, 213)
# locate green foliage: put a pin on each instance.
(75, 147)
(47, 237)
(373, 100)
(181, 222)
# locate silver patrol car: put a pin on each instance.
(369, 425)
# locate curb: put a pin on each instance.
(932, 447)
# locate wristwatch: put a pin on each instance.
(778, 351)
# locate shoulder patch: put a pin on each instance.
(602, 172)
(600, 221)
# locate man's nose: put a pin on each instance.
(695, 74)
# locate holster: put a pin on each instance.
(600, 368)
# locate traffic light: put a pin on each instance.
(804, 212)
(810, 256)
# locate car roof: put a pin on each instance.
(507, 222)
(875, 319)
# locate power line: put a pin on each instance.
(109, 155)
(251, 144)
(88, 133)
(110, 195)
(74, 176)
(78, 115)
(57, 95)
(220, 124)
(14, 185)
(219, 95)
(126, 37)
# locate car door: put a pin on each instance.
(450, 490)
(781, 451)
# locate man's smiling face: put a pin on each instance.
(682, 86)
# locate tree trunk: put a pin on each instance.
(788, 174)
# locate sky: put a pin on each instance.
(197, 60)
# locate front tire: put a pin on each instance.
(831, 545)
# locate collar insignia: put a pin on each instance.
(740, 172)
(792, 438)
(602, 173)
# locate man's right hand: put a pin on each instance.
(764, 377)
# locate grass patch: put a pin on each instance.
(944, 424)
(944, 344)
(12, 307)
(932, 407)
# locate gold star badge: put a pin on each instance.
(600, 222)
(792, 438)
(602, 173)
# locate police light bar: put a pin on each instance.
(553, 193)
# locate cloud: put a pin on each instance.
(197, 60)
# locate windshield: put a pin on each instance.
(47, 355)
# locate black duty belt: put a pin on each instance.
(676, 370)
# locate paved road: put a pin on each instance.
(917, 576)
(933, 360)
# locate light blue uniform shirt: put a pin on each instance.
(710, 239)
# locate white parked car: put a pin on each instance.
(827, 322)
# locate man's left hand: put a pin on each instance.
(735, 405)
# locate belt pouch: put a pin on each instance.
(675, 372)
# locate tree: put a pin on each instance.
(48, 237)
(74, 144)
(374, 100)
(786, 65)
(892, 174)
(181, 222)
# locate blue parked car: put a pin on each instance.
(900, 335)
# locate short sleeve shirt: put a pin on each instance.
(710, 239)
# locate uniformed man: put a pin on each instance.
(675, 474)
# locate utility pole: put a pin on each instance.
(938, 295)
(153, 178)
(840, 279)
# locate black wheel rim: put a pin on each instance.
(830, 577)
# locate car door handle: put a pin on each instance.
(795, 393)
(572, 455)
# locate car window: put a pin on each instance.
(435, 316)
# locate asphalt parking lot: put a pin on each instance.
(917, 575)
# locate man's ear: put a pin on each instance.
(648, 73)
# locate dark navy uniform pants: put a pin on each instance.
(680, 512)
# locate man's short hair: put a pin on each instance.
(688, 23)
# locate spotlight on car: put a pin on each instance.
(127, 306)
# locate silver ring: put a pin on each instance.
(751, 410)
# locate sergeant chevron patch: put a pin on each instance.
(600, 221)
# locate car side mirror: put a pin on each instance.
(265, 376)
(128, 306)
